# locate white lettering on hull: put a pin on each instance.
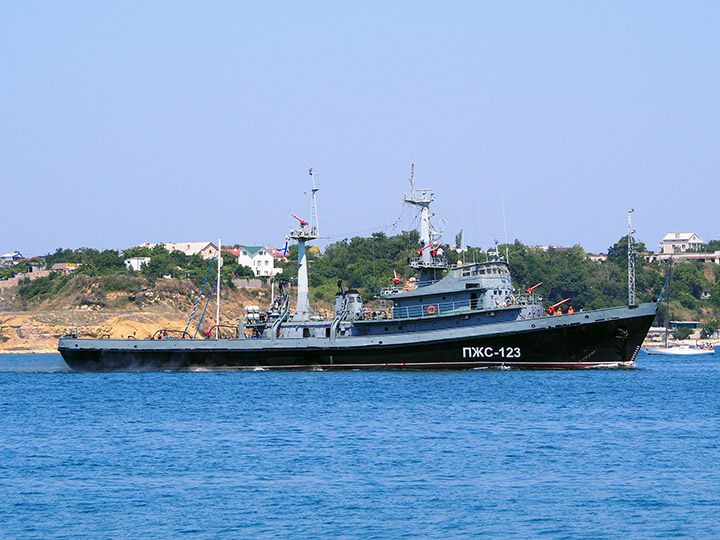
(490, 352)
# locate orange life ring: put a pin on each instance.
(431, 309)
(368, 315)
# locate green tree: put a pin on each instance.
(688, 278)
(682, 333)
(618, 252)
(60, 255)
(41, 288)
(712, 246)
(709, 328)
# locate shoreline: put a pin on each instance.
(34, 351)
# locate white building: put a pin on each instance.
(9, 259)
(135, 263)
(680, 242)
(259, 258)
(207, 250)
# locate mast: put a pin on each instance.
(217, 311)
(667, 302)
(423, 203)
(302, 235)
(631, 261)
(314, 227)
(427, 262)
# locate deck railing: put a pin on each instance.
(457, 307)
(433, 309)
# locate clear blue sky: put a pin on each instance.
(131, 122)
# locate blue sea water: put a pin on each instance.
(474, 454)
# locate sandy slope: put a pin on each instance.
(38, 329)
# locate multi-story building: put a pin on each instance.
(259, 258)
(207, 250)
(10, 259)
(680, 242)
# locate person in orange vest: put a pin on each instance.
(558, 311)
(570, 310)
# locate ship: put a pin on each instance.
(447, 316)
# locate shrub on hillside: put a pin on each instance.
(97, 299)
(121, 283)
(175, 286)
(39, 289)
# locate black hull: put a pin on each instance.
(552, 344)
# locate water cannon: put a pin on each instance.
(531, 289)
(433, 253)
(396, 280)
(303, 223)
(551, 309)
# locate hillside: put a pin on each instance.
(108, 299)
(166, 304)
